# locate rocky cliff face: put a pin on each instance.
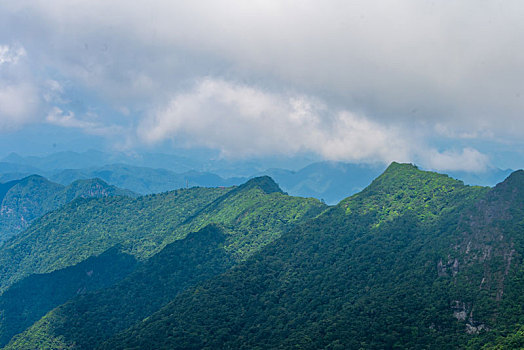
(485, 253)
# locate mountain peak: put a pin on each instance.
(87, 182)
(405, 186)
(265, 183)
(34, 178)
(513, 185)
(14, 158)
(395, 167)
(94, 187)
(409, 174)
(516, 178)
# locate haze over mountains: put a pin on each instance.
(415, 260)
(154, 173)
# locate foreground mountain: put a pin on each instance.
(153, 228)
(180, 265)
(31, 298)
(416, 260)
(87, 227)
(22, 201)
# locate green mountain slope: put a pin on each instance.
(5, 187)
(89, 226)
(179, 265)
(386, 268)
(242, 232)
(25, 200)
(31, 298)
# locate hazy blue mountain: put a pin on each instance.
(21, 168)
(489, 177)
(94, 158)
(144, 180)
(330, 181)
(155, 172)
(65, 160)
(181, 161)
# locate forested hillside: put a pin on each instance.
(32, 297)
(23, 201)
(387, 268)
(87, 227)
(416, 260)
(149, 228)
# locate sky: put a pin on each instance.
(437, 83)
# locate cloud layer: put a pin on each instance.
(18, 95)
(360, 80)
(242, 121)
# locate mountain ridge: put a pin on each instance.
(236, 211)
(359, 285)
(415, 260)
(29, 198)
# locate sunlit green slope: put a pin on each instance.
(249, 217)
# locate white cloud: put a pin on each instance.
(11, 55)
(57, 117)
(19, 100)
(90, 126)
(18, 105)
(241, 120)
(454, 68)
(456, 62)
(468, 159)
(53, 92)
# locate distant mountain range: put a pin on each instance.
(415, 260)
(155, 173)
(182, 161)
(144, 180)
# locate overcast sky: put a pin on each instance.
(439, 83)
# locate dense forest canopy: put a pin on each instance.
(415, 260)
